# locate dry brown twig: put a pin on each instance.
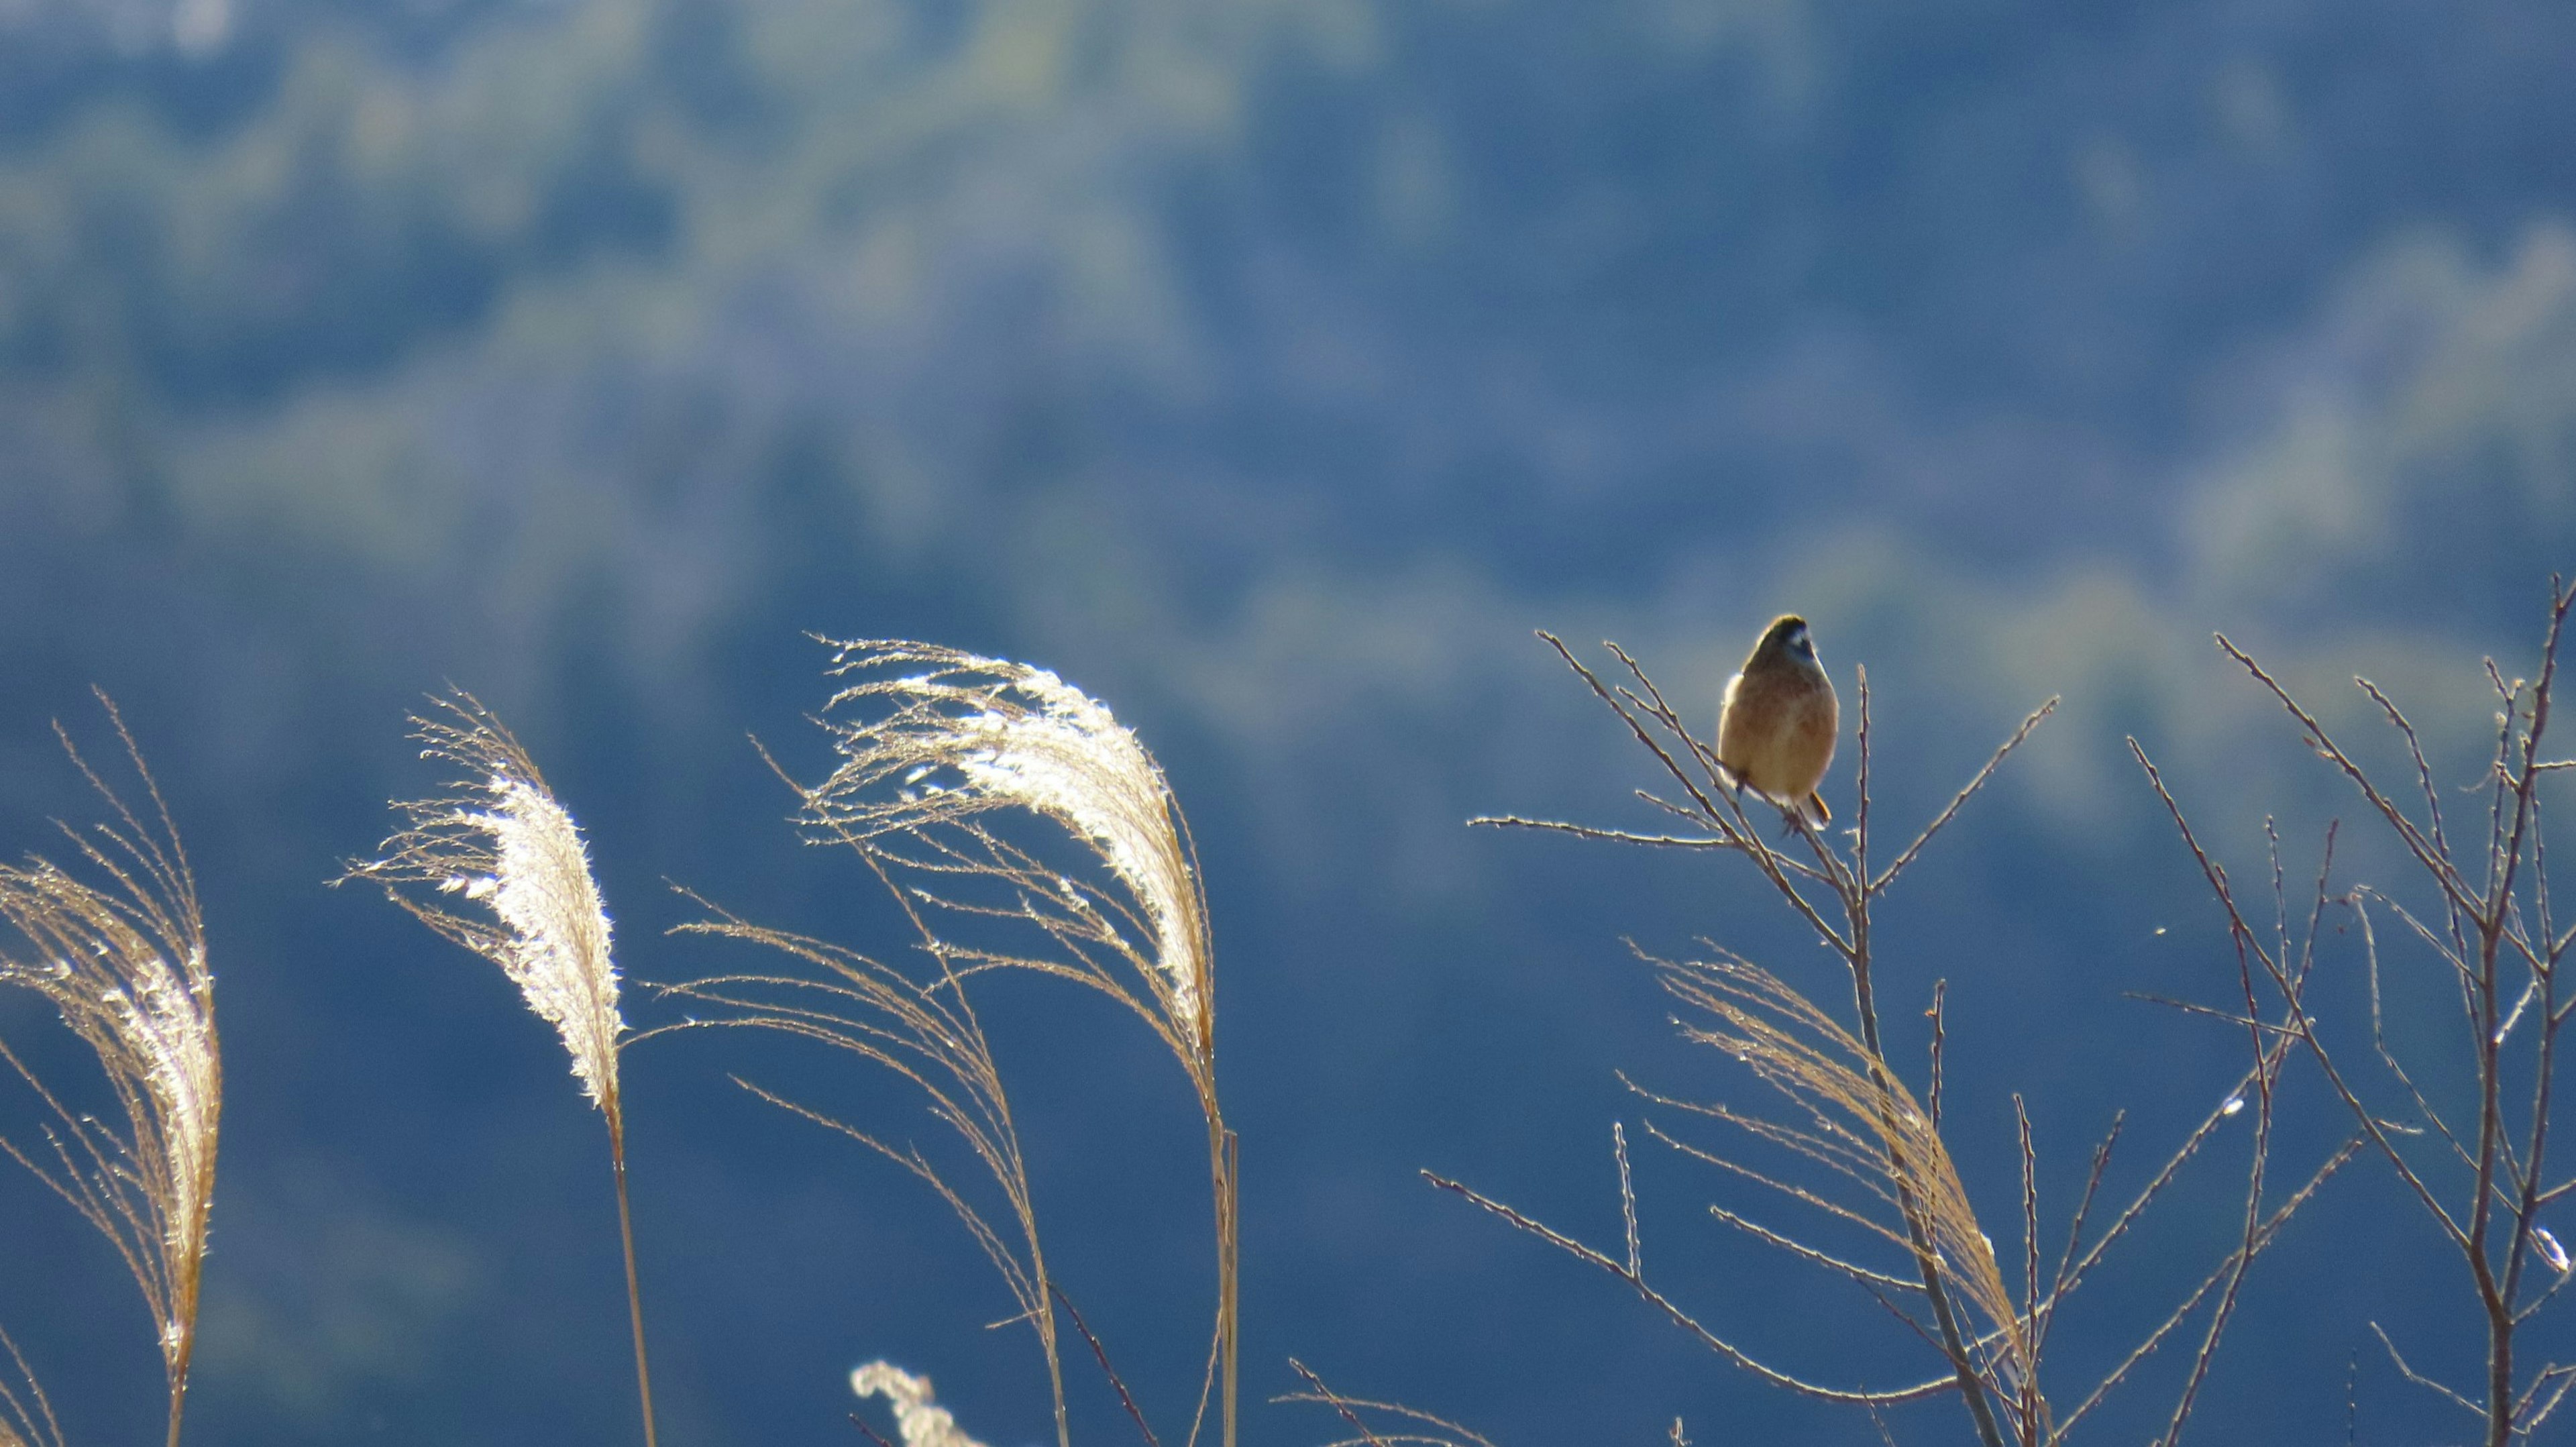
(124, 962)
(2475, 1167)
(500, 840)
(1879, 1160)
(1413, 1426)
(938, 748)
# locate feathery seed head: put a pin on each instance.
(973, 734)
(125, 966)
(152, 1026)
(922, 1422)
(502, 841)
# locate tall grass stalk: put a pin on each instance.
(124, 961)
(937, 747)
(500, 841)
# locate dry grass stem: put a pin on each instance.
(124, 962)
(500, 841)
(925, 1032)
(933, 741)
(26, 1417)
(1861, 1123)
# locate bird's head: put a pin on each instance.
(1787, 637)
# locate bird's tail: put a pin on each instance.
(1818, 816)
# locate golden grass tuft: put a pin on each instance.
(1862, 1125)
(124, 962)
(967, 736)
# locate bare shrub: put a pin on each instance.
(2474, 1160)
(1867, 1154)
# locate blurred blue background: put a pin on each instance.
(1270, 368)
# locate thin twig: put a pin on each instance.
(1950, 810)
(1337, 1404)
(1713, 1342)
(2418, 1378)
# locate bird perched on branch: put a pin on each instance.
(1776, 724)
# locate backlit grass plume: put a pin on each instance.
(921, 1421)
(124, 961)
(936, 746)
(970, 735)
(500, 841)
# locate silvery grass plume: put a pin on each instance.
(968, 736)
(502, 842)
(933, 743)
(921, 1421)
(125, 964)
(499, 840)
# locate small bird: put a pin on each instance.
(1777, 722)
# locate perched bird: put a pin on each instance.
(1776, 724)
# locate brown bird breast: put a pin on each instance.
(1776, 731)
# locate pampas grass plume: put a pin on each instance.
(125, 965)
(970, 734)
(922, 1422)
(501, 840)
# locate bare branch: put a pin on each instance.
(1951, 809)
(2418, 1378)
(1683, 1319)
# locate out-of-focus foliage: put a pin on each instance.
(1268, 368)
